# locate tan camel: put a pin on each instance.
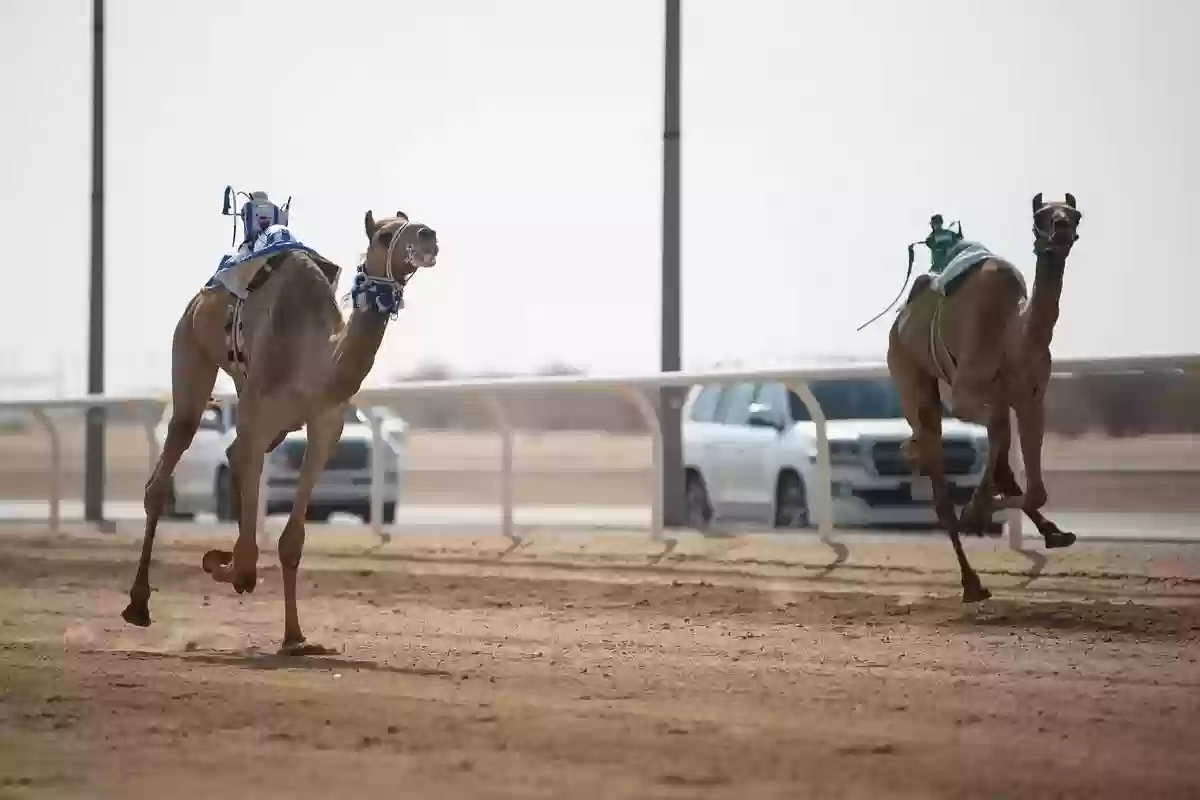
(992, 348)
(294, 361)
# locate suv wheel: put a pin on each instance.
(389, 513)
(171, 511)
(223, 494)
(791, 502)
(699, 509)
(317, 513)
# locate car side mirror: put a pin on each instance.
(764, 416)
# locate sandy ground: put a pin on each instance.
(1146, 474)
(602, 666)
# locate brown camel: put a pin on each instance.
(294, 361)
(990, 342)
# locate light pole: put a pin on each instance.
(93, 490)
(670, 399)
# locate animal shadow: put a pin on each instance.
(255, 659)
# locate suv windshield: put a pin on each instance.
(865, 398)
(349, 418)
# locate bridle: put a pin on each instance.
(371, 288)
(1048, 242)
(389, 278)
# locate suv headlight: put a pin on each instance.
(844, 453)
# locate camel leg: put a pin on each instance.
(920, 402)
(1030, 424)
(324, 431)
(930, 445)
(192, 379)
(215, 560)
(247, 457)
(1006, 481)
(978, 511)
(235, 488)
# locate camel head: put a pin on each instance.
(397, 247)
(1055, 225)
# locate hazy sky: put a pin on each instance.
(818, 138)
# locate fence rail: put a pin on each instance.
(494, 393)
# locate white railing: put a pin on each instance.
(494, 393)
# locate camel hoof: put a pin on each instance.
(1056, 539)
(303, 648)
(244, 584)
(975, 594)
(137, 614)
(216, 558)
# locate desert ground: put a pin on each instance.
(1144, 474)
(600, 666)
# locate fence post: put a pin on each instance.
(149, 424)
(47, 422)
(1016, 517)
(824, 468)
(654, 426)
(504, 427)
(377, 444)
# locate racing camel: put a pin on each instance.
(294, 361)
(977, 330)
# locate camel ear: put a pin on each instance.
(1070, 200)
(1037, 202)
(402, 215)
(369, 224)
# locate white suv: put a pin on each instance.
(750, 449)
(201, 480)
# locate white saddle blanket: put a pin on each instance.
(236, 270)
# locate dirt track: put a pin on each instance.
(602, 668)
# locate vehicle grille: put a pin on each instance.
(347, 455)
(957, 454)
(901, 497)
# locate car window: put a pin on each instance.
(734, 407)
(866, 398)
(854, 399)
(797, 409)
(705, 404)
(773, 394)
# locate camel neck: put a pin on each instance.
(355, 349)
(1044, 303)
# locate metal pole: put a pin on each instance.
(671, 399)
(93, 491)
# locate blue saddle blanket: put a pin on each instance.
(236, 270)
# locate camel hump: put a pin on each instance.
(970, 258)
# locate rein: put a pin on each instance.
(907, 275)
